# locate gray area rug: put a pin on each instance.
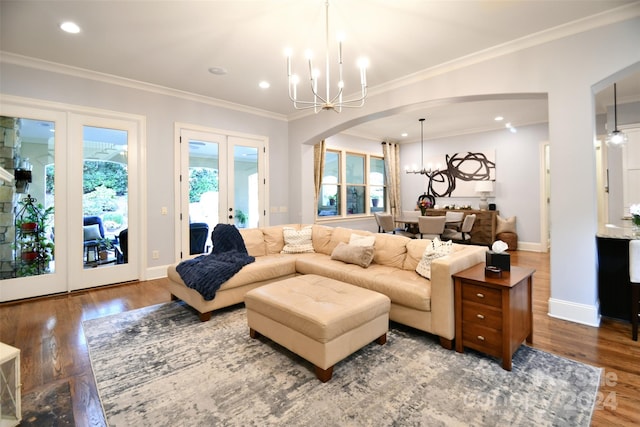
(161, 366)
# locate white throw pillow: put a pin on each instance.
(91, 232)
(436, 249)
(505, 225)
(297, 241)
(358, 240)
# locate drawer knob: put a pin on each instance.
(480, 337)
(480, 316)
(479, 295)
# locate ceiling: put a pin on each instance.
(173, 44)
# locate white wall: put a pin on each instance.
(517, 174)
(566, 69)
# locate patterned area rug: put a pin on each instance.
(161, 366)
(49, 406)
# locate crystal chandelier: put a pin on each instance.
(326, 102)
(429, 170)
(616, 138)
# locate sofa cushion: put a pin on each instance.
(267, 267)
(254, 241)
(274, 238)
(297, 241)
(390, 250)
(415, 250)
(353, 254)
(402, 287)
(321, 236)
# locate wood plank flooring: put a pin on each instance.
(49, 333)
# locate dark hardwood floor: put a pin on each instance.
(49, 333)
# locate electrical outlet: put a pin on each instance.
(164, 210)
(155, 254)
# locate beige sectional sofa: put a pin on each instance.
(424, 304)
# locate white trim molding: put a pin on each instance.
(579, 313)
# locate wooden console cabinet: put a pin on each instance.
(493, 315)
(484, 227)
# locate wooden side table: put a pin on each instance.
(493, 314)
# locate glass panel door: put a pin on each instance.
(105, 227)
(245, 200)
(30, 262)
(204, 207)
(105, 197)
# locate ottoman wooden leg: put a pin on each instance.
(382, 339)
(253, 333)
(204, 317)
(324, 375)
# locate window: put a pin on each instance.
(352, 184)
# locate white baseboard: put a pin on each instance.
(156, 272)
(579, 313)
(531, 247)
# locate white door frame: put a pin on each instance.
(181, 156)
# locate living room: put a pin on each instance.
(568, 70)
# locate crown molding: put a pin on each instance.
(29, 62)
(613, 16)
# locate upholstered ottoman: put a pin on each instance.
(322, 320)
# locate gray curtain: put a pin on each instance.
(319, 151)
(391, 153)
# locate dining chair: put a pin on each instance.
(453, 219)
(464, 235)
(431, 227)
(386, 224)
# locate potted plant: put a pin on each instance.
(104, 245)
(374, 201)
(332, 200)
(34, 249)
(241, 217)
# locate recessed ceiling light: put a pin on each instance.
(404, 134)
(264, 84)
(218, 71)
(70, 27)
(498, 118)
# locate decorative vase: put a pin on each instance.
(635, 225)
(423, 211)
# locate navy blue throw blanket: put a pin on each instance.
(207, 273)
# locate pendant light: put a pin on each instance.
(617, 137)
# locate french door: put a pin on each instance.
(105, 202)
(222, 181)
(63, 170)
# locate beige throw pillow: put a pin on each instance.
(297, 241)
(358, 240)
(352, 254)
(505, 225)
(436, 249)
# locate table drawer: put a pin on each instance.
(482, 315)
(480, 338)
(482, 295)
